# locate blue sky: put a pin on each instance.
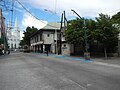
(85, 8)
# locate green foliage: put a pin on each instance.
(116, 18)
(106, 33)
(74, 33)
(29, 31)
(90, 28)
(101, 30)
(2, 39)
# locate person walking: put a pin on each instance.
(47, 52)
(0, 50)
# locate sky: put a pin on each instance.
(38, 13)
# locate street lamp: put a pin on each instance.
(85, 35)
(86, 54)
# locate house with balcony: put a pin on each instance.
(50, 39)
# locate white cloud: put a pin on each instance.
(31, 21)
(86, 8)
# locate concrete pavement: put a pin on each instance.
(27, 71)
(101, 60)
(111, 61)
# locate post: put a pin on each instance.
(86, 53)
(85, 37)
(56, 50)
(60, 40)
(47, 52)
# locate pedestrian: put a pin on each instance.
(47, 52)
(8, 51)
(0, 51)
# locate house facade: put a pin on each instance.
(48, 39)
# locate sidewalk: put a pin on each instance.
(110, 60)
(64, 57)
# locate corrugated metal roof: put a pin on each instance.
(52, 25)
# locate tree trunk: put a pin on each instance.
(105, 51)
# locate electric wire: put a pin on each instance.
(12, 10)
(34, 15)
(117, 10)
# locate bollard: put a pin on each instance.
(87, 55)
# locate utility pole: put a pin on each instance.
(85, 35)
(63, 19)
(86, 53)
(60, 40)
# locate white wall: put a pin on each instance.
(48, 38)
(65, 49)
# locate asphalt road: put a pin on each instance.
(26, 71)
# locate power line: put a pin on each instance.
(114, 11)
(5, 5)
(12, 11)
(33, 15)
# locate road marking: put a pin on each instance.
(84, 88)
(106, 64)
(88, 85)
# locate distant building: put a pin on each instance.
(13, 35)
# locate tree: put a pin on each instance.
(29, 31)
(102, 30)
(2, 39)
(116, 18)
(106, 33)
(91, 34)
(74, 32)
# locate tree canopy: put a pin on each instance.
(102, 30)
(76, 29)
(29, 31)
(116, 18)
(74, 33)
(107, 34)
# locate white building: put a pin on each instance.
(13, 35)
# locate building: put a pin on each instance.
(48, 39)
(3, 39)
(45, 39)
(13, 35)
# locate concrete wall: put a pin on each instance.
(67, 49)
(48, 37)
